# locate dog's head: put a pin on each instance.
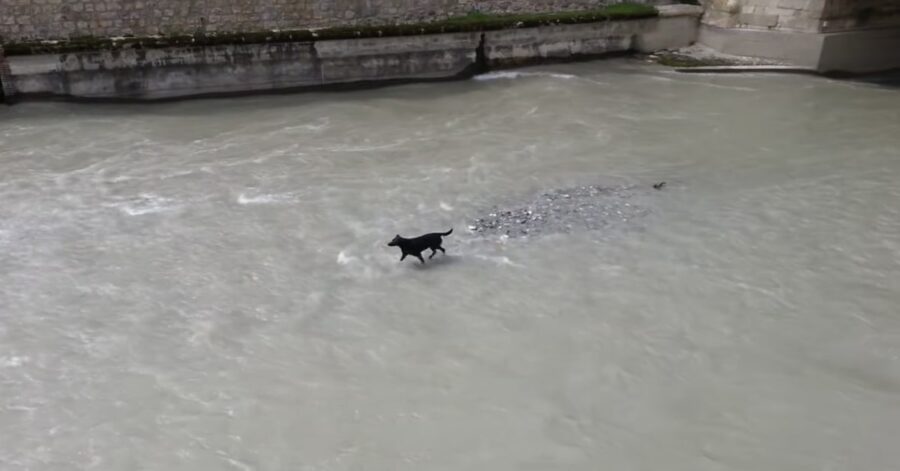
(395, 242)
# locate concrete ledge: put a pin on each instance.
(855, 52)
(739, 69)
(399, 58)
(860, 51)
(801, 49)
(471, 23)
(530, 45)
(213, 70)
(668, 11)
(179, 72)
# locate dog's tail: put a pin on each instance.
(448, 232)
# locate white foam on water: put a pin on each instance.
(364, 148)
(234, 463)
(183, 173)
(146, 204)
(499, 260)
(511, 75)
(318, 125)
(658, 78)
(121, 178)
(344, 259)
(725, 87)
(265, 198)
(13, 361)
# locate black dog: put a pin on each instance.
(416, 245)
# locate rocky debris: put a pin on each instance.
(561, 211)
(702, 56)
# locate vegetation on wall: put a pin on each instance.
(473, 22)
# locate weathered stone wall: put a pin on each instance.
(178, 72)
(795, 15)
(844, 15)
(810, 16)
(855, 36)
(58, 19)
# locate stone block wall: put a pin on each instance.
(808, 16)
(59, 19)
(794, 15)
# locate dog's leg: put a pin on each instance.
(442, 250)
(404, 256)
(432, 254)
(419, 256)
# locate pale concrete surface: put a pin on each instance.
(177, 72)
(796, 48)
(848, 52)
(211, 70)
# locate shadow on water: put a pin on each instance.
(882, 79)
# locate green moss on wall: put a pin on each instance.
(474, 22)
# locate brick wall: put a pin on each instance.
(57, 19)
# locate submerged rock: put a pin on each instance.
(565, 210)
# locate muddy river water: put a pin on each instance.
(206, 285)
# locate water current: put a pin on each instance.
(205, 285)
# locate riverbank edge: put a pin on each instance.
(474, 22)
(366, 60)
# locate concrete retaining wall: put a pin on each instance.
(853, 36)
(507, 48)
(213, 70)
(177, 72)
(858, 52)
(803, 16)
(676, 26)
(861, 51)
(801, 49)
(60, 19)
(680, 27)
